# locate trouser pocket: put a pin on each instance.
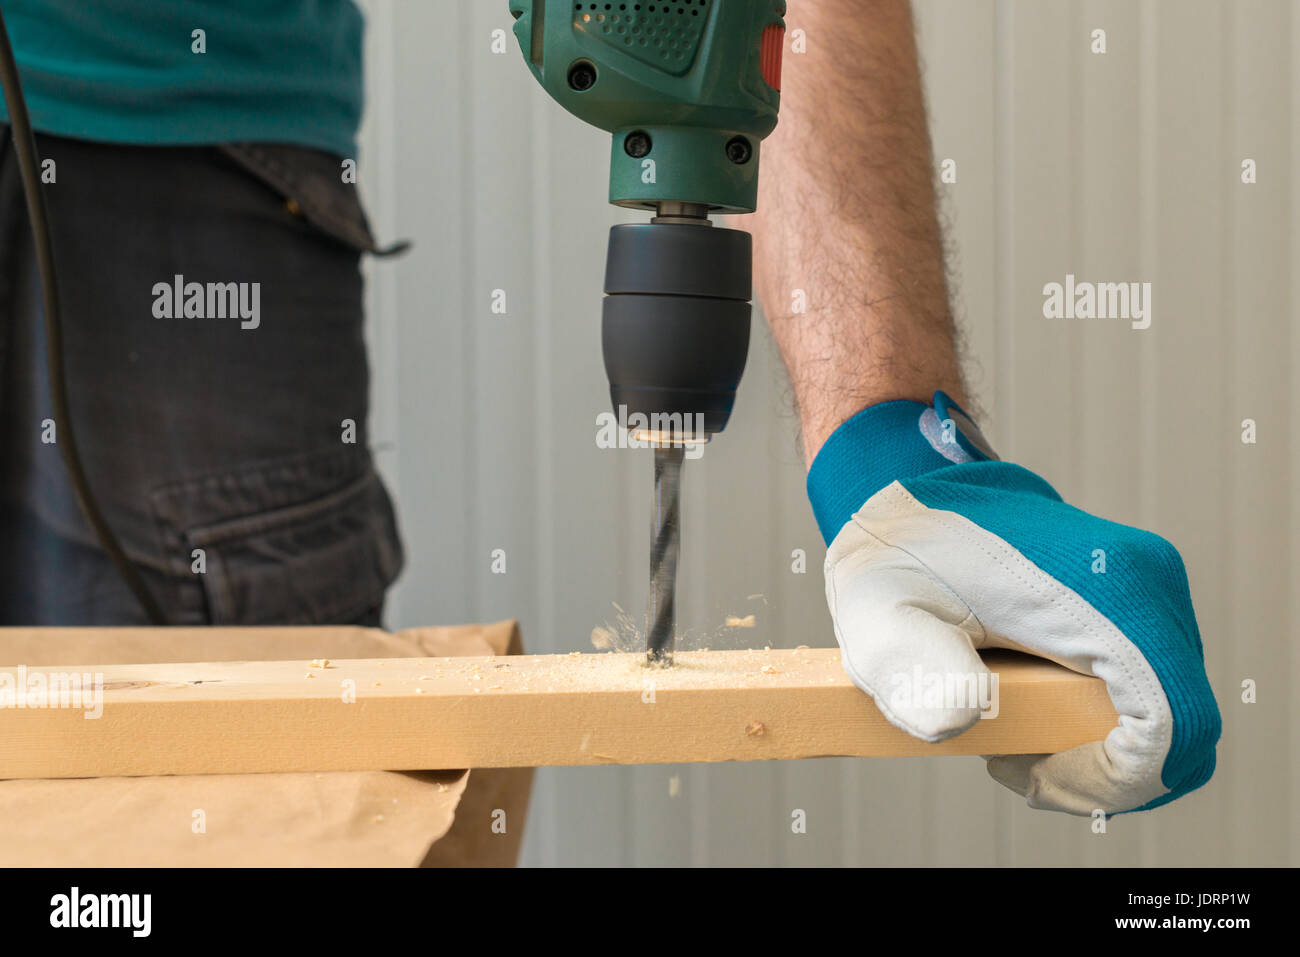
(311, 185)
(285, 552)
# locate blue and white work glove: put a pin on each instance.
(938, 549)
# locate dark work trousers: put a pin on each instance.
(231, 462)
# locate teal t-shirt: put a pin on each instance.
(129, 71)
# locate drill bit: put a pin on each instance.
(665, 542)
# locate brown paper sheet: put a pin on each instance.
(358, 819)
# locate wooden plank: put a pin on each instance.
(426, 713)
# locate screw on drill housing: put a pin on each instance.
(582, 76)
(637, 144)
(739, 151)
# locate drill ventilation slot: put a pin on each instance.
(663, 35)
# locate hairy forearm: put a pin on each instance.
(848, 250)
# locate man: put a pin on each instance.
(209, 445)
(195, 145)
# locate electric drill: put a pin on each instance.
(688, 89)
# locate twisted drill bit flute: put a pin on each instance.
(665, 542)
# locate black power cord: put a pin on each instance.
(28, 166)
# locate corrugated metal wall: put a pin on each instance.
(1121, 166)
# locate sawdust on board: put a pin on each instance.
(626, 634)
(612, 671)
(621, 664)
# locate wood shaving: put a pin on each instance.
(734, 621)
(755, 729)
(320, 662)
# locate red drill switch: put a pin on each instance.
(769, 58)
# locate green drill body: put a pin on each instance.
(691, 76)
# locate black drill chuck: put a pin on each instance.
(675, 329)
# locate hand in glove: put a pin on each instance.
(937, 549)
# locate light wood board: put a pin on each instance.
(434, 713)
